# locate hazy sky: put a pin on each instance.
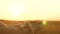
(30, 9)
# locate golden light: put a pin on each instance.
(44, 22)
(15, 9)
(30, 10)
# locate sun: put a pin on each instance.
(15, 10)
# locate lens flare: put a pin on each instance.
(44, 22)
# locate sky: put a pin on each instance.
(30, 9)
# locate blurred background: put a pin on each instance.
(43, 15)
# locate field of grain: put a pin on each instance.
(31, 27)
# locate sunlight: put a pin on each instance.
(15, 10)
(30, 10)
(44, 22)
